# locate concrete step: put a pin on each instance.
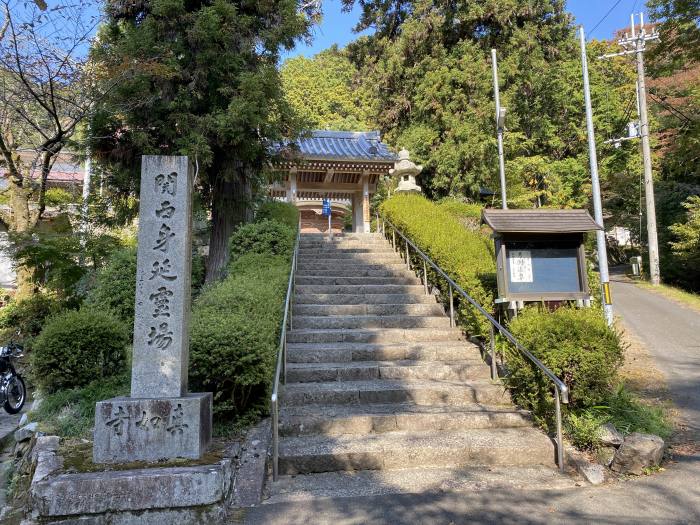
(396, 450)
(356, 289)
(363, 299)
(353, 352)
(345, 236)
(367, 483)
(352, 322)
(326, 280)
(373, 335)
(369, 309)
(350, 258)
(322, 251)
(391, 391)
(335, 420)
(369, 370)
(359, 271)
(311, 265)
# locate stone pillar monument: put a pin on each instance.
(160, 420)
(406, 171)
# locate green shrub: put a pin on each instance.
(461, 209)
(266, 237)
(77, 347)
(234, 334)
(576, 345)
(71, 412)
(283, 212)
(115, 286)
(621, 408)
(466, 256)
(27, 316)
(58, 197)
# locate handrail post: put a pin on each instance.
(560, 439)
(494, 370)
(425, 277)
(452, 308)
(408, 258)
(275, 439)
(393, 239)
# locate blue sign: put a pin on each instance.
(326, 207)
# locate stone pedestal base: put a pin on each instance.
(130, 429)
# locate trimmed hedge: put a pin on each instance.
(467, 256)
(461, 209)
(234, 334)
(266, 237)
(283, 212)
(576, 345)
(77, 347)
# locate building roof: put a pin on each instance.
(539, 221)
(339, 145)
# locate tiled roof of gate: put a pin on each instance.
(339, 145)
(539, 221)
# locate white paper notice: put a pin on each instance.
(520, 266)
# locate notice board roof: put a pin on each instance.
(539, 221)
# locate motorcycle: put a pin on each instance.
(13, 391)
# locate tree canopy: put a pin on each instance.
(203, 82)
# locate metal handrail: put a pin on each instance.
(561, 391)
(281, 368)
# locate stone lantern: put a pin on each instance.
(405, 170)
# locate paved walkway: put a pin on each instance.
(672, 334)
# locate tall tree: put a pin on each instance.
(204, 75)
(45, 93)
(324, 91)
(431, 79)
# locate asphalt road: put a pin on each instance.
(672, 334)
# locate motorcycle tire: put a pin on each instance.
(15, 408)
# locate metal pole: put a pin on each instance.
(275, 439)
(560, 439)
(393, 239)
(452, 308)
(597, 204)
(654, 272)
(425, 277)
(408, 257)
(499, 131)
(494, 370)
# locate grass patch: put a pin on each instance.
(71, 413)
(689, 299)
(625, 411)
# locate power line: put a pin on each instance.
(590, 33)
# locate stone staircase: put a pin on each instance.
(382, 395)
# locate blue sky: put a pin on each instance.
(336, 27)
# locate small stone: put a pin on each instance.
(26, 432)
(609, 435)
(594, 473)
(44, 444)
(605, 455)
(23, 420)
(255, 443)
(639, 451)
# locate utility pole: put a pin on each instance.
(597, 203)
(500, 124)
(635, 43)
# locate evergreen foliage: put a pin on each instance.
(235, 332)
(115, 286)
(266, 237)
(576, 345)
(283, 212)
(325, 92)
(466, 256)
(77, 347)
(198, 79)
